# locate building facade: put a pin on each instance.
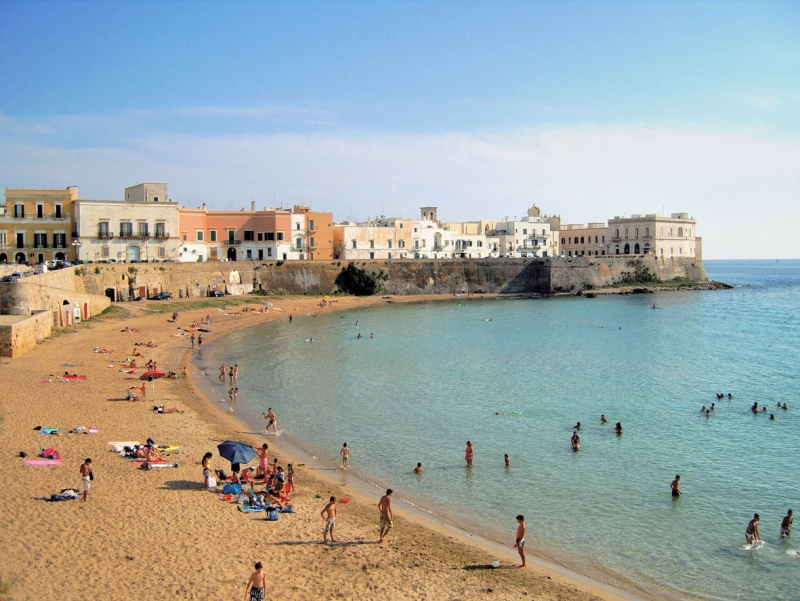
(37, 225)
(387, 238)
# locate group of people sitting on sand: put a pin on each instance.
(278, 484)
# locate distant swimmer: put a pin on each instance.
(703, 410)
(785, 407)
(786, 524)
(764, 409)
(577, 426)
(754, 408)
(419, 469)
(752, 534)
(507, 459)
(713, 406)
(359, 337)
(470, 453)
(708, 413)
(618, 428)
(654, 306)
(371, 335)
(576, 441)
(719, 395)
(676, 487)
(603, 419)
(730, 396)
(772, 416)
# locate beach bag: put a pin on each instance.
(211, 482)
(51, 454)
(232, 489)
(272, 514)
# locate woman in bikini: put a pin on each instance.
(470, 454)
(263, 455)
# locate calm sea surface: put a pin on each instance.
(437, 374)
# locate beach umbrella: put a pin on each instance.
(236, 452)
(267, 304)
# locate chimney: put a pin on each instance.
(253, 206)
(204, 206)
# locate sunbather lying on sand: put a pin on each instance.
(161, 409)
(128, 329)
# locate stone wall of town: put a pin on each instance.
(25, 334)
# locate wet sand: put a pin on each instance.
(158, 534)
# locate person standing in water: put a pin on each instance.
(519, 545)
(676, 486)
(507, 460)
(272, 420)
(345, 453)
(786, 524)
(576, 441)
(470, 453)
(752, 534)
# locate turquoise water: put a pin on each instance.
(436, 374)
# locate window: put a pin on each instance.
(312, 242)
(185, 237)
(249, 254)
(595, 241)
(525, 231)
(59, 214)
(269, 236)
(371, 255)
(390, 244)
(297, 226)
(231, 234)
(647, 232)
(401, 244)
(480, 243)
(581, 239)
(249, 236)
(355, 244)
(269, 252)
(40, 240)
(105, 252)
(661, 233)
(415, 230)
(617, 234)
(39, 210)
(298, 243)
(161, 230)
(390, 255)
(636, 233)
(260, 237)
(155, 198)
(125, 229)
(102, 229)
(680, 232)
(401, 226)
(372, 243)
(19, 211)
(162, 252)
(416, 243)
(670, 231)
(563, 240)
(311, 225)
(143, 228)
(280, 236)
(604, 241)
(626, 233)
(200, 235)
(3, 239)
(423, 244)
(213, 235)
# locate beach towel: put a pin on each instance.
(119, 447)
(252, 508)
(152, 466)
(85, 430)
(43, 462)
(46, 381)
(51, 430)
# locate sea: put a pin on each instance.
(514, 376)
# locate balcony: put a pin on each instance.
(230, 242)
(616, 239)
(161, 235)
(105, 235)
(132, 236)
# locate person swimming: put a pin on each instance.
(603, 419)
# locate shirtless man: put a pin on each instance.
(520, 544)
(345, 453)
(419, 469)
(576, 441)
(752, 534)
(272, 420)
(603, 419)
(387, 517)
(676, 486)
(86, 476)
(786, 524)
(222, 372)
(507, 460)
(256, 585)
(329, 515)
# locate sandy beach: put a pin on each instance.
(159, 534)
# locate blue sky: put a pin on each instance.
(588, 109)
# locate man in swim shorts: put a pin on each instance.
(272, 420)
(387, 517)
(786, 524)
(86, 476)
(345, 453)
(255, 586)
(676, 486)
(752, 534)
(519, 545)
(329, 515)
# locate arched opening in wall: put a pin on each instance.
(680, 232)
(66, 302)
(20, 257)
(646, 248)
(627, 249)
(616, 250)
(234, 277)
(61, 257)
(231, 254)
(3, 258)
(636, 249)
(134, 254)
(112, 294)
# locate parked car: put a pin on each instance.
(216, 293)
(10, 279)
(163, 296)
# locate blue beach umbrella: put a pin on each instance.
(236, 452)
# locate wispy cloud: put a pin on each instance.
(741, 185)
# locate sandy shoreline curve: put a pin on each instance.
(159, 534)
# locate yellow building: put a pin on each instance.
(37, 226)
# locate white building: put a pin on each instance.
(144, 228)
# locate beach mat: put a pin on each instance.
(43, 462)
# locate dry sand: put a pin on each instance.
(159, 535)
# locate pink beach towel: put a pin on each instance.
(43, 462)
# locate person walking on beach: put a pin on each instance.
(520, 544)
(786, 524)
(676, 486)
(200, 341)
(470, 453)
(345, 453)
(236, 372)
(329, 515)
(256, 584)
(223, 370)
(87, 476)
(272, 420)
(235, 394)
(752, 534)
(230, 375)
(263, 455)
(387, 517)
(193, 340)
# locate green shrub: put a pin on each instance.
(357, 281)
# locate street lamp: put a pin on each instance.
(146, 257)
(77, 244)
